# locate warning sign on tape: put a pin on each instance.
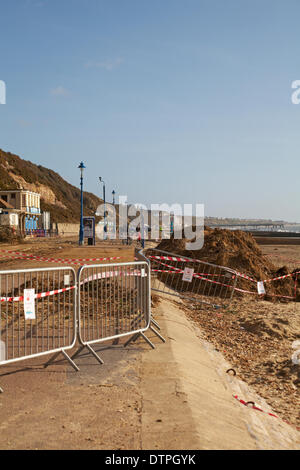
(188, 274)
(29, 305)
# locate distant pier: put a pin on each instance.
(272, 226)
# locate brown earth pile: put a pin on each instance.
(7, 235)
(238, 250)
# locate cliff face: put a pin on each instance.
(57, 195)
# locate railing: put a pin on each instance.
(37, 313)
(47, 310)
(189, 278)
(113, 302)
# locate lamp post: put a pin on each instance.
(104, 226)
(81, 167)
(142, 230)
(113, 195)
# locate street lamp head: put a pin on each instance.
(81, 167)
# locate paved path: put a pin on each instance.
(188, 398)
(177, 396)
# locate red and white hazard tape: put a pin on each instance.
(67, 260)
(108, 274)
(245, 276)
(198, 275)
(237, 273)
(22, 255)
(243, 402)
(36, 296)
(102, 275)
(32, 258)
(194, 275)
(181, 271)
(271, 295)
(174, 270)
(175, 258)
(267, 280)
(281, 277)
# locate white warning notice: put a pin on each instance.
(29, 306)
(188, 274)
(261, 287)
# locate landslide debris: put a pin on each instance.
(238, 250)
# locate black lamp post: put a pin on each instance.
(81, 167)
(113, 195)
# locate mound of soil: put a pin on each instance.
(238, 250)
(7, 235)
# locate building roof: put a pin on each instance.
(5, 205)
(18, 191)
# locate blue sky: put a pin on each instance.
(169, 101)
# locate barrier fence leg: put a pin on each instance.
(95, 354)
(81, 348)
(155, 323)
(66, 356)
(147, 340)
(70, 361)
(136, 336)
(157, 334)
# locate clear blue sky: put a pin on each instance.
(168, 100)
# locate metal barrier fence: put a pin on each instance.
(113, 301)
(192, 279)
(44, 311)
(141, 257)
(37, 313)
